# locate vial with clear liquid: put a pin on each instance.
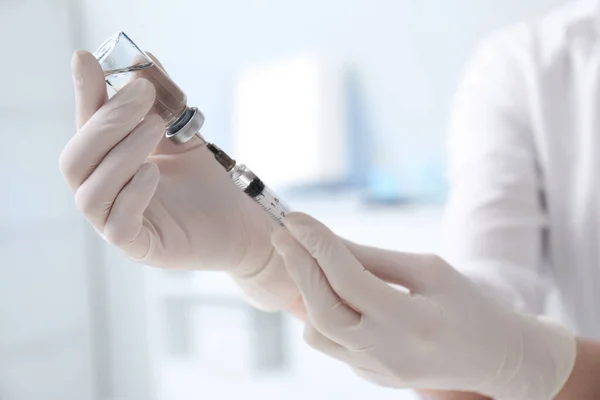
(122, 61)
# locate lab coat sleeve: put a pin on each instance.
(494, 222)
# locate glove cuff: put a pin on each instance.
(271, 288)
(537, 363)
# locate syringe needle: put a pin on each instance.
(227, 162)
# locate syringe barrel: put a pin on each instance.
(257, 190)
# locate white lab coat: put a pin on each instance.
(524, 212)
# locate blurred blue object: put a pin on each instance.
(360, 132)
(383, 187)
(416, 176)
(424, 180)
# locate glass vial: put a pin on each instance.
(122, 61)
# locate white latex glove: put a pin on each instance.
(444, 333)
(164, 205)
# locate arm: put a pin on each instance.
(582, 384)
(495, 218)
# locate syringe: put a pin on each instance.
(252, 185)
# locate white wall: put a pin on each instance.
(407, 53)
(45, 346)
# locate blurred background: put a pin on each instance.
(340, 105)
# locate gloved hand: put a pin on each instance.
(164, 205)
(442, 333)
